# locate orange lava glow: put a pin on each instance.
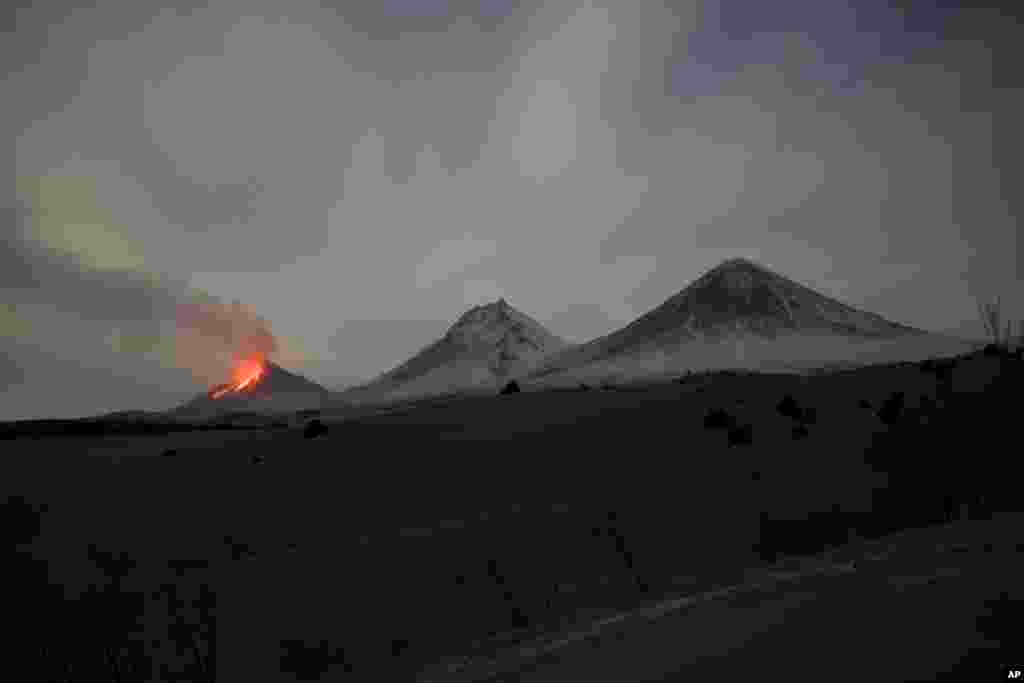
(246, 373)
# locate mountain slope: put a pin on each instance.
(484, 347)
(740, 307)
(276, 390)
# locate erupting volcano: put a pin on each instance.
(257, 385)
(246, 374)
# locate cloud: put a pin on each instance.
(546, 144)
(212, 336)
(452, 257)
(77, 283)
(69, 220)
(394, 339)
(479, 292)
(11, 323)
(66, 251)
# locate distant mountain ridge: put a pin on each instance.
(736, 300)
(738, 314)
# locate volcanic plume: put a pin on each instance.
(246, 374)
(228, 347)
(222, 343)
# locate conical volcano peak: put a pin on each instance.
(260, 387)
(486, 344)
(499, 305)
(495, 312)
(737, 265)
(738, 262)
(493, 323)
(737, 275)
(736, 299)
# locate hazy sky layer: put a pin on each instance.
(335, 183)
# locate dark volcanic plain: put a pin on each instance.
(395, 543)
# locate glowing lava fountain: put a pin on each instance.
(247, 372)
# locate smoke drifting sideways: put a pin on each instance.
(213, 338)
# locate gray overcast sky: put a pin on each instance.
(357, 174)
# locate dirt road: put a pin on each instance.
(927, 605)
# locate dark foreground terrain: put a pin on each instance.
(397, 546)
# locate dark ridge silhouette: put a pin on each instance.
(482, 574)
(153, 425)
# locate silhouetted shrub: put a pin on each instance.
(310, 661)
(314, 428)
(789, 407)
(992, 351)
(584, 387)
(719, 419)
(892, 408)
(398, 646)
(20, 520)
(239, 550)
(1000, 623)
(741, 435)
(511, 388)
(800, 431)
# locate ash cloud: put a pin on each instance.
(78, 301)
(212, 336)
